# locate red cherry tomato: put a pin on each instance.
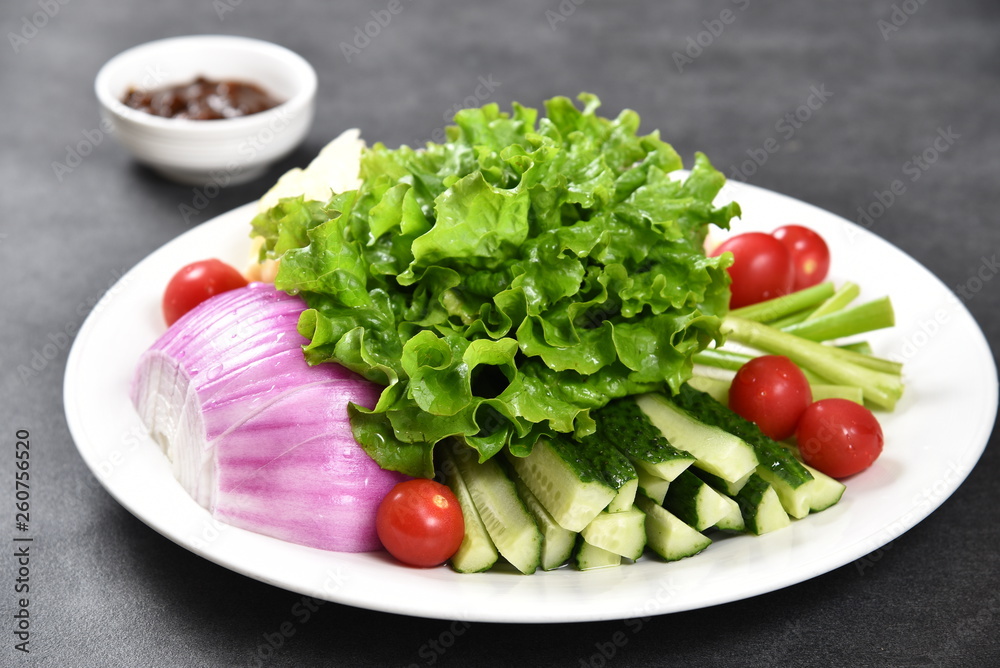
(771, 392)
(810, 254)
(195, 283)
(762, 268)
(839, 437)
(420, 522)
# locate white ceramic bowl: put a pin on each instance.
(225, 151)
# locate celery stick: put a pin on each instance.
(722, 359)
(823, 391)
(786, 304)
(880, 388)
(718, 389)
(867, 361)
(862, 347)
(792, 319)
(847, 293)
(847, 322)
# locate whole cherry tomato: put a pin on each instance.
(420, 522)
(771, 392)
(839, 437)
(762, 268)
(195, 283)
(810, 254)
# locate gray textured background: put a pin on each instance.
(108, 591)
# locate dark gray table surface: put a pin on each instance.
(106, 590)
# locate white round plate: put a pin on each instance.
(933, 439)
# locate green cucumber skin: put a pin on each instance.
(754, 499)
(595, 460)
(720, 485)
(668, 536)
(716, 450)
(686, 498)
(573, 498)
(477, 553)
(623, 425)
(651, 485)
(770, 454)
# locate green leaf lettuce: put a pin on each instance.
(504, 284)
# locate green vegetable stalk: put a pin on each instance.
(507, 282)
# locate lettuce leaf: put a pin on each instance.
(507, 282)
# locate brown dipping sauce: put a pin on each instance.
(202, 100)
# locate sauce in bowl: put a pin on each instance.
(202, 100)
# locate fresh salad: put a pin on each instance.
(515, 344)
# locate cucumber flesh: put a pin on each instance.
(733, 519)
(477, 552)
(694, 502)
(508, 522)
(589, 557)
(668, 536)
(625, 498)
(622, 425)
(720, 485)
(761, 507)
(557, 543)
(819, 493)
(823, 491)
(573, 495)
(716, 450)
(777, 460)
(652, 486)
(623, 533)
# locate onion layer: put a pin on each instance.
(256, 435)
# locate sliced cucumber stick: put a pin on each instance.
(717, 451)
(623, 533)
(651, 485)
(761, 507)
(668, 536)
(557, 543)
(477, 552)
(572, 492)
(589, 557)
(694, 502)
(508, 522)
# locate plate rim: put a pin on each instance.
(217, 551)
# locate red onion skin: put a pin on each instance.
(283, 461)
